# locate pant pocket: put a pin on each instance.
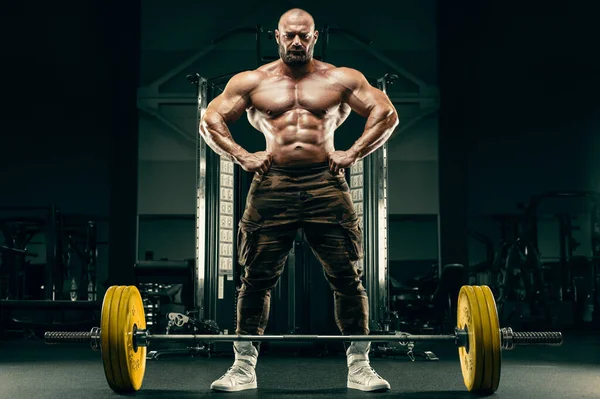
(338, 180)
(354, 238)
(246, 242)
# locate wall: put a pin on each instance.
(168, 238)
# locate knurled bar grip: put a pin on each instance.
(55, 337)
(510, 339)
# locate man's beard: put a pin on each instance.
(294, 59)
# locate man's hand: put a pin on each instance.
(257, 162)
(341, 160)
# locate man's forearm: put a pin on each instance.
(215, 132)
(380, 125)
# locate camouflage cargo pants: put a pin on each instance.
(279, 202)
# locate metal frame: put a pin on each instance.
(238, 28)
(215, 215)
(201, 189)
(380, 169)
(414, 120)
(150, 102)
(188, 136)
(369, 191)
(368, 187)
(368, 177)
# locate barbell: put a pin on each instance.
(123, 338)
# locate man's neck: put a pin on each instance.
(297, 71)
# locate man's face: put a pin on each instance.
(296, 42)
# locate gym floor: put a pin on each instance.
(32, 369)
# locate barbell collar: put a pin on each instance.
(461, 337)
(95, 342)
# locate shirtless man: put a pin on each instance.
(298, 102)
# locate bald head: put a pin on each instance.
(296, 16)
(296, 37)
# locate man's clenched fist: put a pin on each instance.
(257, 162)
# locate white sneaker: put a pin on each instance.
(361, 375)
(241, 375)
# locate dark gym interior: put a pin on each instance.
(492, 179)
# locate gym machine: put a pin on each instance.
(219, 204)
(219, 199)
(64, 281)
(524, 276)
(18, 231)
(80, 260)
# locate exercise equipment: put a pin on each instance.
(123, 338)
(541, 289)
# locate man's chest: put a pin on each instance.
(317, 95)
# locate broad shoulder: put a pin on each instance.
(348, 77)
(267, 69)
(245, 81)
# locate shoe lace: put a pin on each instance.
(366, 371)
(235, 371)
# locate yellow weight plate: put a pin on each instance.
(132, 360)
(496, 340)
(124, 364)
(108, 337)
(468, 318)
(104, 322)
(487, 341)
(137, 364)
(115, 366)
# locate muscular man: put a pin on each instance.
(298, 102)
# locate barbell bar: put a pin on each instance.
(123, 338)
(141, 338)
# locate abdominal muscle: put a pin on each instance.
(298, 153)
(298, 137)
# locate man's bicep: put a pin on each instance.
(363, 97)
(228, 106)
